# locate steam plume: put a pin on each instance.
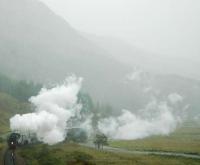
(53, 108)
(156, 118)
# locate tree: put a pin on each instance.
(86, 101)
(77, 135)
(100, 140)
(21, 90)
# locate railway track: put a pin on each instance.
(9, 158)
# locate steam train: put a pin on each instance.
(20, 139)
(13, 140)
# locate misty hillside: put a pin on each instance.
(36, 44)
(8, 107)
(153, 62)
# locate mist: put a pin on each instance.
(168, 28)
(122, 49)
(133, 86)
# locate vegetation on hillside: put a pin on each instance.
(21, 90)
(73, 154)
(14, 97)
(9, 106)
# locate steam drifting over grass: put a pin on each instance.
(157, 118)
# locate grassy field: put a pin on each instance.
(185, 139)
(73, 154)
(2, 148)
(9, 106)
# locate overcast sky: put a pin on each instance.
(167, 27)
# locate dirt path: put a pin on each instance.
(120, 150)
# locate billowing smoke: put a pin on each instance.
(53, 108)
(157, 118)
(175, 98)
(160, 116)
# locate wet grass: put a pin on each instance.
(68, 154)
(185, 139)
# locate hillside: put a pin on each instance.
(36, 44)
(35, 40)
(9, 106)
(14, 97)
(153, 62)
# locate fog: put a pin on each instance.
(139, 61)
(168, 28)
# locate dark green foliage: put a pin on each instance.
(77, 135)
(86, 101)
(97, 110)
(22, 90)
(100, 140)
(45, 157)
(1, 140)
(9, 106)
(78, 157)
(100, 111)
(40, 156)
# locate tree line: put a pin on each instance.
(20, 89)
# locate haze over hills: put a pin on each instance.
(38, 45)
(153, 62)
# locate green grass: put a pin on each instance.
(9, 106)
(2, 148)
(68, 154)
(185, 139)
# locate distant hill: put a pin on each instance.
(9, 106)
(36, 44)
(14, 97)
(156, 63)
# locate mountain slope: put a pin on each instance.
(156, 63)
(9, 106)
(36, 44)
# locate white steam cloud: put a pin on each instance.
(175, 98)
(53, 108)
(156, 118)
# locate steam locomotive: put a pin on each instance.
(13, 140)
